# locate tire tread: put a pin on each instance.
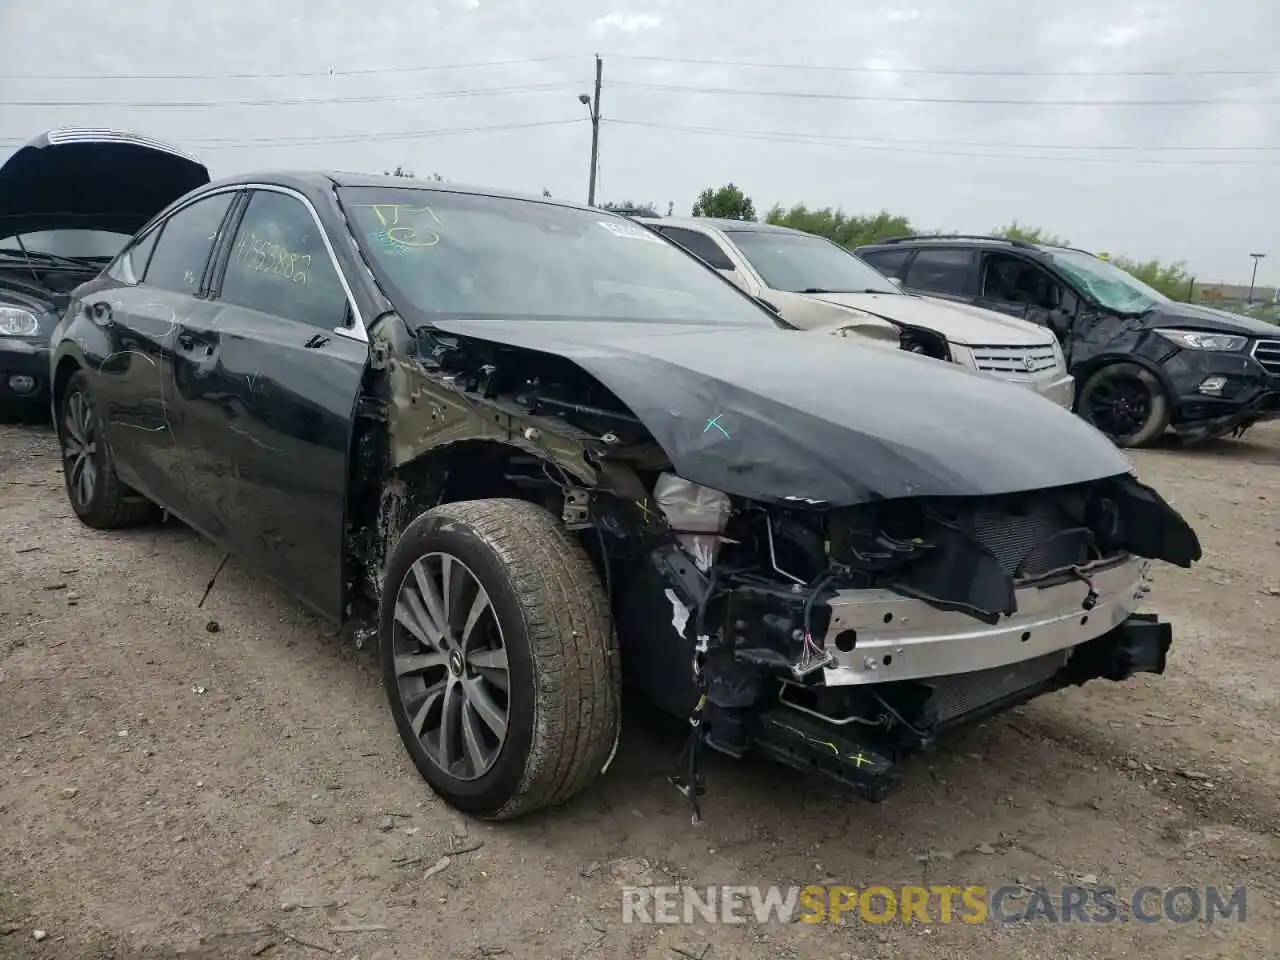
(577, 671)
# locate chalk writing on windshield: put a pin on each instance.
(405, 225)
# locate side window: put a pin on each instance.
(131, 265)
(888, 262)
(279, 264)
(1011, 279)
(700, 245)
(940, 271)
(180, 255)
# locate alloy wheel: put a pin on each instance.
(451, 666)
(1119, 406)
(80, 449)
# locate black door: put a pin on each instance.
(942, 272)
(267, 390)
(1021, 288)
(156, 287)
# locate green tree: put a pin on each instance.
(1016, 231)
(845, 229)
(728, 202)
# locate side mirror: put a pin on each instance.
(772, 308)
(732, 277)
(896, 281)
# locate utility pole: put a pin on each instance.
(593, 108)
(1254, 278)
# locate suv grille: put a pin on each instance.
(1267, 353)
(1020, 360)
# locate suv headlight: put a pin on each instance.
(1199, 340)
(16, 322)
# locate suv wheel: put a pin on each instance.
(1127, 403)
(499, 657)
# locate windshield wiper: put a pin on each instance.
(824, 290)
(53, 258)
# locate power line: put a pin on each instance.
(297, 101)
(360, 72)
(223, 143)
(944, 143)
(763, 65)
(891, 147)
(951, 72)
(876, 98)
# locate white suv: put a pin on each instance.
(814, 284)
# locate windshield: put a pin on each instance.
(478, 257)
(801, 263)
(73, 244)
(1112, 287)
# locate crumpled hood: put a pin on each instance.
(776, 415)
(91, 179)
(1194, 317)
(958, 322)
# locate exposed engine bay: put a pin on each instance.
(834, 638)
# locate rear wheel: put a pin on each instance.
(1127, 403)
(97, 496)
(499, 657)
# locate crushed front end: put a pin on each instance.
(840, 641)
(843, 566)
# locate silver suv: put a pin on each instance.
(814, 284)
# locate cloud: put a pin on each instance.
(625, 23)
(964, 166)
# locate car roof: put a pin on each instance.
(311, 180)
(719, 223)
(964, 239)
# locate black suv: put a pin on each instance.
(1143, 362)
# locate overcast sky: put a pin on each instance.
(851, 145)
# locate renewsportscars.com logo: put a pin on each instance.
(1013, 903)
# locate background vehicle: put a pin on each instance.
(69, 200)
(1142, 362)
(544, 450)
(812, 281)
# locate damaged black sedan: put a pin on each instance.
(547, 454)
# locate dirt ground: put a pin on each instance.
(226, 781)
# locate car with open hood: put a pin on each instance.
(1144, 363)
(69, 201)
(815, 284)
(538, 452)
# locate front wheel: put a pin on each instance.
(499, 657)
(1127, 403)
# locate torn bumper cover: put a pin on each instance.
(911, 619)
(865, 758)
